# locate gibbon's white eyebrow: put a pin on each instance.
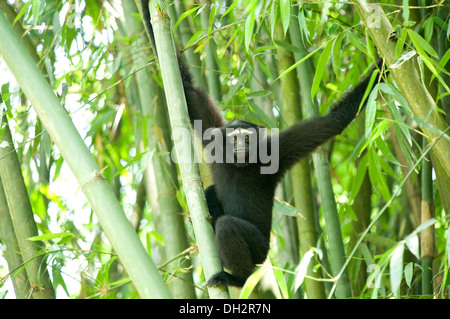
(239, 131)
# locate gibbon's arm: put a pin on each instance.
(305, 136)
(200, 105)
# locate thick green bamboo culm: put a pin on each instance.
(321, 167)
(424, 107)
(21, 213)
(116, 226)
(192, 58)
(410, 85)
(179, 119)
(12, 252)
(427, 236)
(212, 76)
(164, 172)
(300, 172)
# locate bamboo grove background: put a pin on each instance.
(366, 216)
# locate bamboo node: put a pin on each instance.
(96, 177)
(191, 181)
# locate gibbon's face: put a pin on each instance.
(240, 142)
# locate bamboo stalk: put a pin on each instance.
(23, 220)
(54, 117)
(300, 172)
(410, 84)
(192, 58)
(322, 170)
(12, 252)
(427, 236)
(165, 181)
(212, 76)
(180, 123)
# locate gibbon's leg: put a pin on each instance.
(214, 205)
(241, 246)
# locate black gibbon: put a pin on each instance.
(240, 200)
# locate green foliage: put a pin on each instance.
(92, 66)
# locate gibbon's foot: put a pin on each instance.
(210, 219)
(224, 278)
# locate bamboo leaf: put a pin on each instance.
(409, 272)
(267, 121)
(320, 70)
(400, 43)
(36, 9)
(358, 43)
(248, 32)
(273, 18)
(281, 281)
(296, 64)
(50, 236)
(443, 63)
(184, 15)
(302, 24)
(429, 26)
(58, 279)
(256, 94)
(252, 281)
(233, 36)
(359, 177)
(396, 268)
(21, 12)
(384, 148)
(421, 44)
(406, 12)
(212, 15)
(196, 36)
(376, 176)
(285, 208)
(287, 46)
(447, 246)
(231, 7)
(371, 111)
(336, 57)
(380, 240)
(434, 67)
(424, 226)
(412, 242)
(448, 32)
(402, 59)
(300, 271)
(285, 14)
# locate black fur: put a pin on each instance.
(240, 201)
